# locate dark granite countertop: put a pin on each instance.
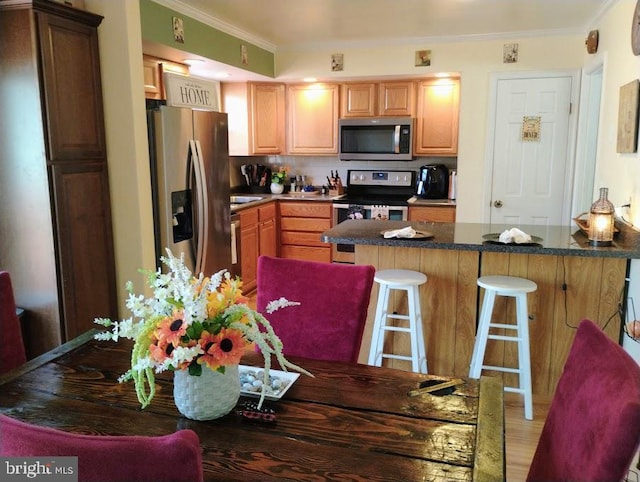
(268, 197)
(556, 240)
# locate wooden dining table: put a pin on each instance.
(349, 422)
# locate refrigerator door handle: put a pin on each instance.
(200, 204)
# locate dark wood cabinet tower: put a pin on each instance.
(51, 122)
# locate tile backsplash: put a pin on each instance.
(317, 168)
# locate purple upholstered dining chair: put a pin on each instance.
(592, 430)
(174, 457)
(334, 298)
(12, 354)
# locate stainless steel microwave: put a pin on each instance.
(376, 139)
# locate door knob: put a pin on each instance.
(497, 204)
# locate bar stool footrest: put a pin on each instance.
(397, 357)
(501, 369)
(395, 316)
(397, 328)
(503, 337)
(504, 326)
(515, 390)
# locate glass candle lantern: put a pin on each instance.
(601, 220)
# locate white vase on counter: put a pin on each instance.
(277, 188)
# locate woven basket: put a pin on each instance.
(211, 395)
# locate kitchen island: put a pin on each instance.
(575, 281)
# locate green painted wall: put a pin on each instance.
(201, 39)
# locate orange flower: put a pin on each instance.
(172, 328)
(229, 293)
(160, 351)
(225, 348)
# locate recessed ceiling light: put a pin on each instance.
(310, 79)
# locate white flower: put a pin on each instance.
(278, 304)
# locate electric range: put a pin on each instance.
(378, 194)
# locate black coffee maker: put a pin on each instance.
(433, 182)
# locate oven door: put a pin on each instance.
(345, 253)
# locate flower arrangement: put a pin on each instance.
(190, 323)
(280, 176)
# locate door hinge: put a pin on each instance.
(570, 107)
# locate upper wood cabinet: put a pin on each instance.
(71, 74)
(153, 70)
(312, 122)
(396, 98)
(358, 100)
(437, 117)
(368, 99)
(256, 117)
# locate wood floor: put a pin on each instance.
(522, 435)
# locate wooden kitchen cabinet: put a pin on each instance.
(301, 224)
(55, 145)
(433, 214)
(396, 98)
(369, 99)
(256, 113)
(437, 117)
(153, 71)
(358, 99)
(312, 122)
(257, 237)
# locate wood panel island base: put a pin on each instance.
(575, 281)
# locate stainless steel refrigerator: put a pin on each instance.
(189, 152)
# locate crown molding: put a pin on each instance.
(183, 8)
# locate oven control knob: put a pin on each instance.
(362, 177)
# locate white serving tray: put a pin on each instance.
(287, 379)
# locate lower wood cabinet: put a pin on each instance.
(257, 237)
(301, 224)
(433, 214)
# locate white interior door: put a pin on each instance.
(530, 167)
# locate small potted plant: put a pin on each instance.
(277, 180)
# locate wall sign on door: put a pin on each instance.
(531, 128)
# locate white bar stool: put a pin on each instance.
(409, 281)
(516, 288)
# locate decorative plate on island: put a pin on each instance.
(418, 235)
(251, 382)
(495, 239)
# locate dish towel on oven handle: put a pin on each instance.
(407, 232)
(380, 213)
(355, 211)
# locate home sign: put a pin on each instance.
(191, 92)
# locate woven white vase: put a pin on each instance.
(211, 395)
